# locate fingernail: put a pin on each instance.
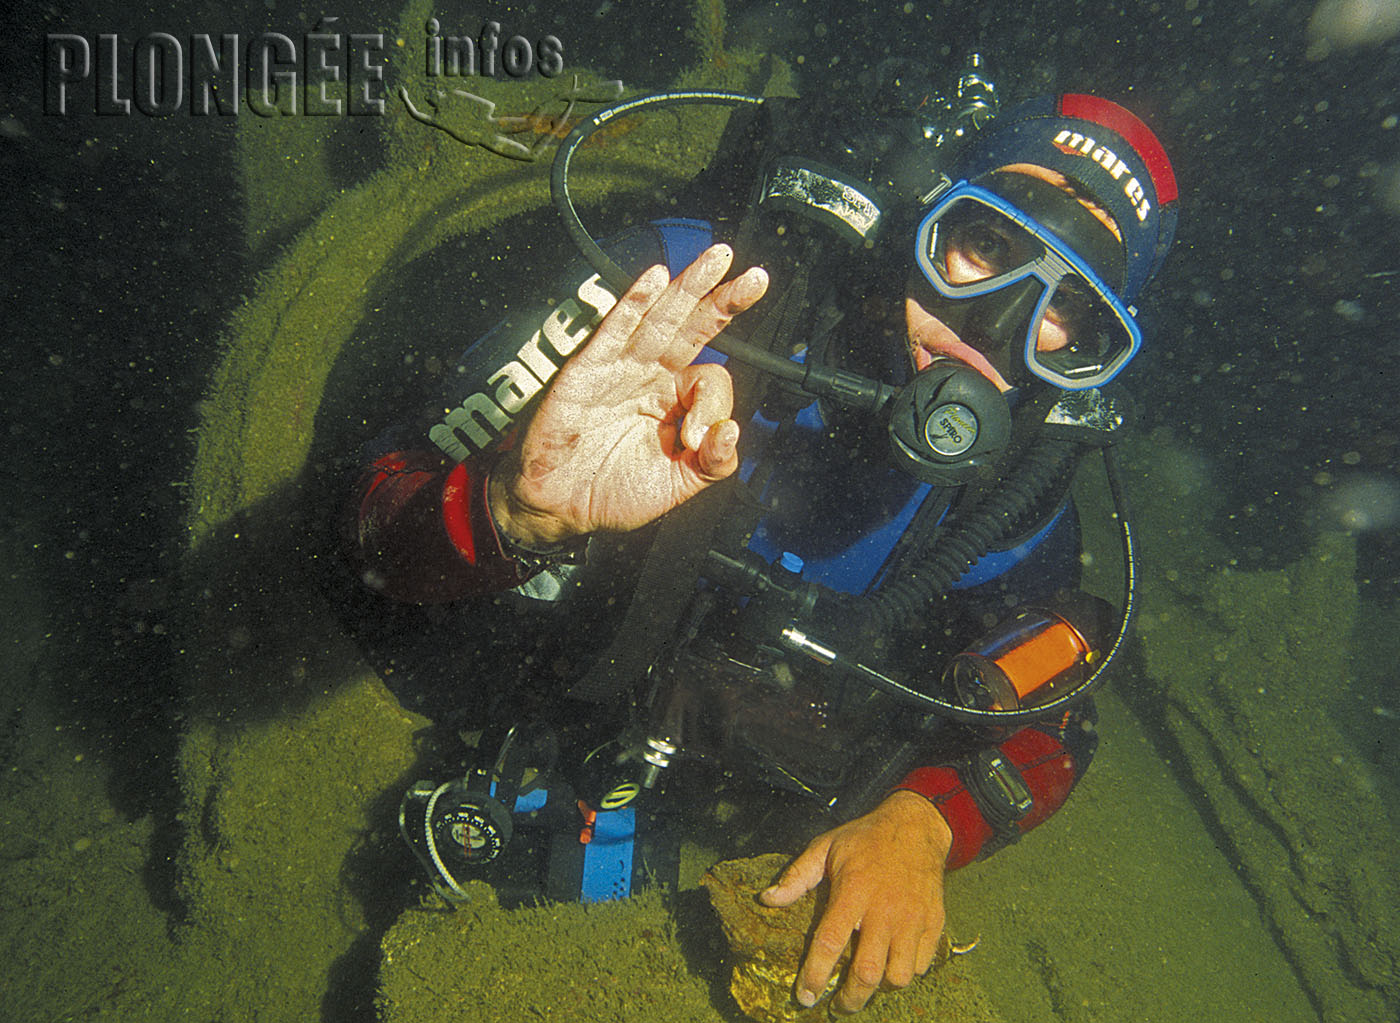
(805, 998)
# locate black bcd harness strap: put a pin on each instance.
(676, 556)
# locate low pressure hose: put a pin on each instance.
(616, 277)
(943, 562)
(847, 388)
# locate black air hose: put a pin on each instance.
(959, 546)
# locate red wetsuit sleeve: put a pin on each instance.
(421, 530)
(1045, 762)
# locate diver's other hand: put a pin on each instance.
(886, 873)
(631, 427)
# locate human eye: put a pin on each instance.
(985, 246)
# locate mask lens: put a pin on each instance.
(1080, 335)
(972, 243)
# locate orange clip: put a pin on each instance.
(590, 819)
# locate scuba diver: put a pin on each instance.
(807, 524)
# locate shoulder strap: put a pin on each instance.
(676, 557)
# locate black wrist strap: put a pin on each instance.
(999, 790)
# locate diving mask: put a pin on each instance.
(1010, 281)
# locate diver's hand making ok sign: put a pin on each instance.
(631, 427)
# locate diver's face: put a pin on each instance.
(975, 251)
